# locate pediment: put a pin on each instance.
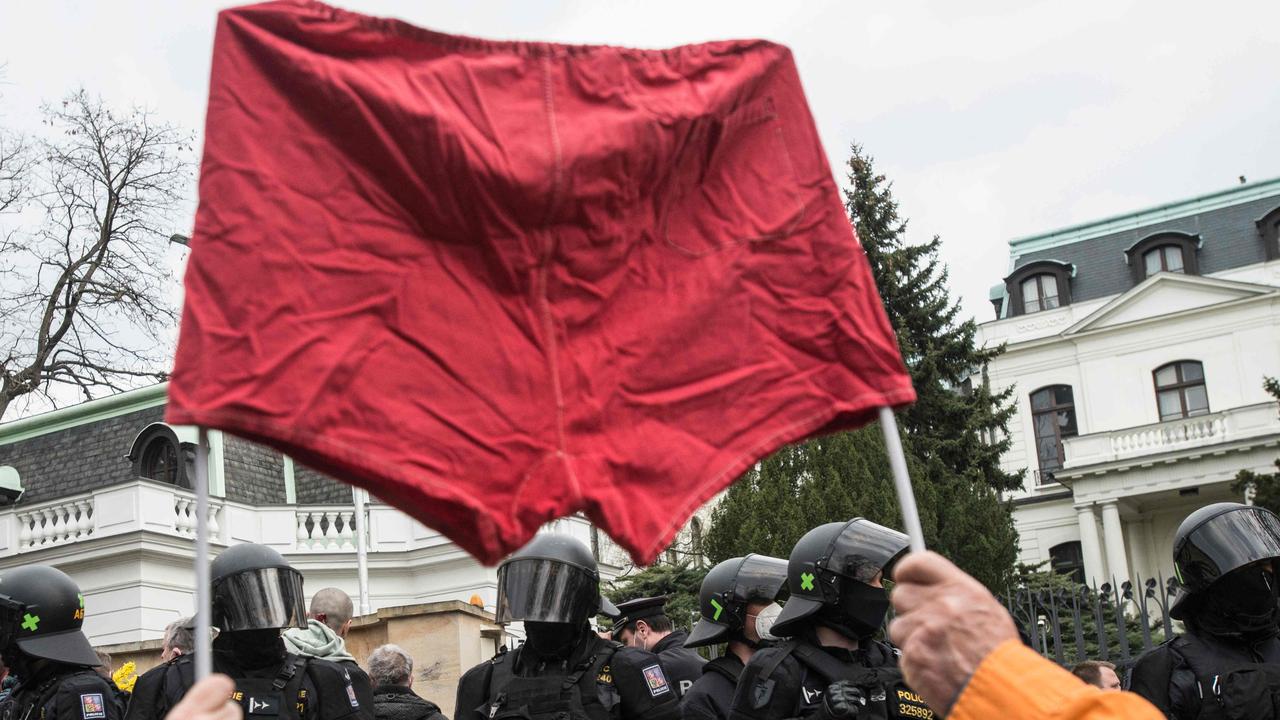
(1165, 294)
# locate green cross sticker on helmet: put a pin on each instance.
(719, 609)
(30, 622)
(806, 581)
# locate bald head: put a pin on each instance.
(332, 607)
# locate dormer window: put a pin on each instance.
(1168, 251)
(158, 454)
(1039, 285)
(1269, 229)
(1165, 258)
(1039, 292)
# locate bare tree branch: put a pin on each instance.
(84, 300)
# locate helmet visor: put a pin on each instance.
(10, 611)
(259, 600)
(760, 578)
(541, 590)
(1227, 542)
(864, 549)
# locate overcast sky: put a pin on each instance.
(994, 120)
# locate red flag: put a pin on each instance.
(497, 283)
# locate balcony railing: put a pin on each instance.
(146, 506)
(1171, 436)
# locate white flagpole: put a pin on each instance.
(362, 550)
(204, 649)
(902, 481)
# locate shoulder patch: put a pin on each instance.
(761, 693)
(605, 675)
(656, 680)
(92, 707)
(351, 691)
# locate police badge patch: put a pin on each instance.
(264, 705)
(657, 681)
(92, 707)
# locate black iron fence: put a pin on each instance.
(1071, 623)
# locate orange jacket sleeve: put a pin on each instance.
(1015, 683)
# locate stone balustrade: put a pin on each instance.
(1149, 441)
(54, 523)
(327, 529)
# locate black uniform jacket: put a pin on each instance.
(359, 680)
(64, 692)
(794, 690)
(328, 687)
(712, 696)
(397, 702)
(683, 666)
(632, 676)
(1164, 676)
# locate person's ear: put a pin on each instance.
(346, 627)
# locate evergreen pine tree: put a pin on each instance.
(953, 436)
(960, 425)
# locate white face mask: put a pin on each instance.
(765, 620)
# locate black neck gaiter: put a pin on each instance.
(1244, 603)
(250, 649)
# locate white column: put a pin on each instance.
(1094, 571)
(1113, 541)
(1135, 541)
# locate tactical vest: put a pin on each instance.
(1228, 688)
(726, 668)
(887, 695)
(282, 697)
(30, 705)
(574, 695)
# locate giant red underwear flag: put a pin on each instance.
(495, 283)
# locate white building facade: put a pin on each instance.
(1136, 347)
(104, 496)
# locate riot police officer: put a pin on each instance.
(831, 666)
(737, 605)
(1227, 664)
(255, 594)
(643, 623)
(563, 671)
(41, 613)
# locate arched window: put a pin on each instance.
(1068, 559)
(1167, 251)
(160, 460)
(1053, 417)
(157, 454)
(1180, 390)
(1039, 285)
(1165, 258)
(1039, 292)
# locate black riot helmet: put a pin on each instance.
(1216, 540)
(828, 558)
(254, 588)
(41, 613)
(553, 579)
(726, 591)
